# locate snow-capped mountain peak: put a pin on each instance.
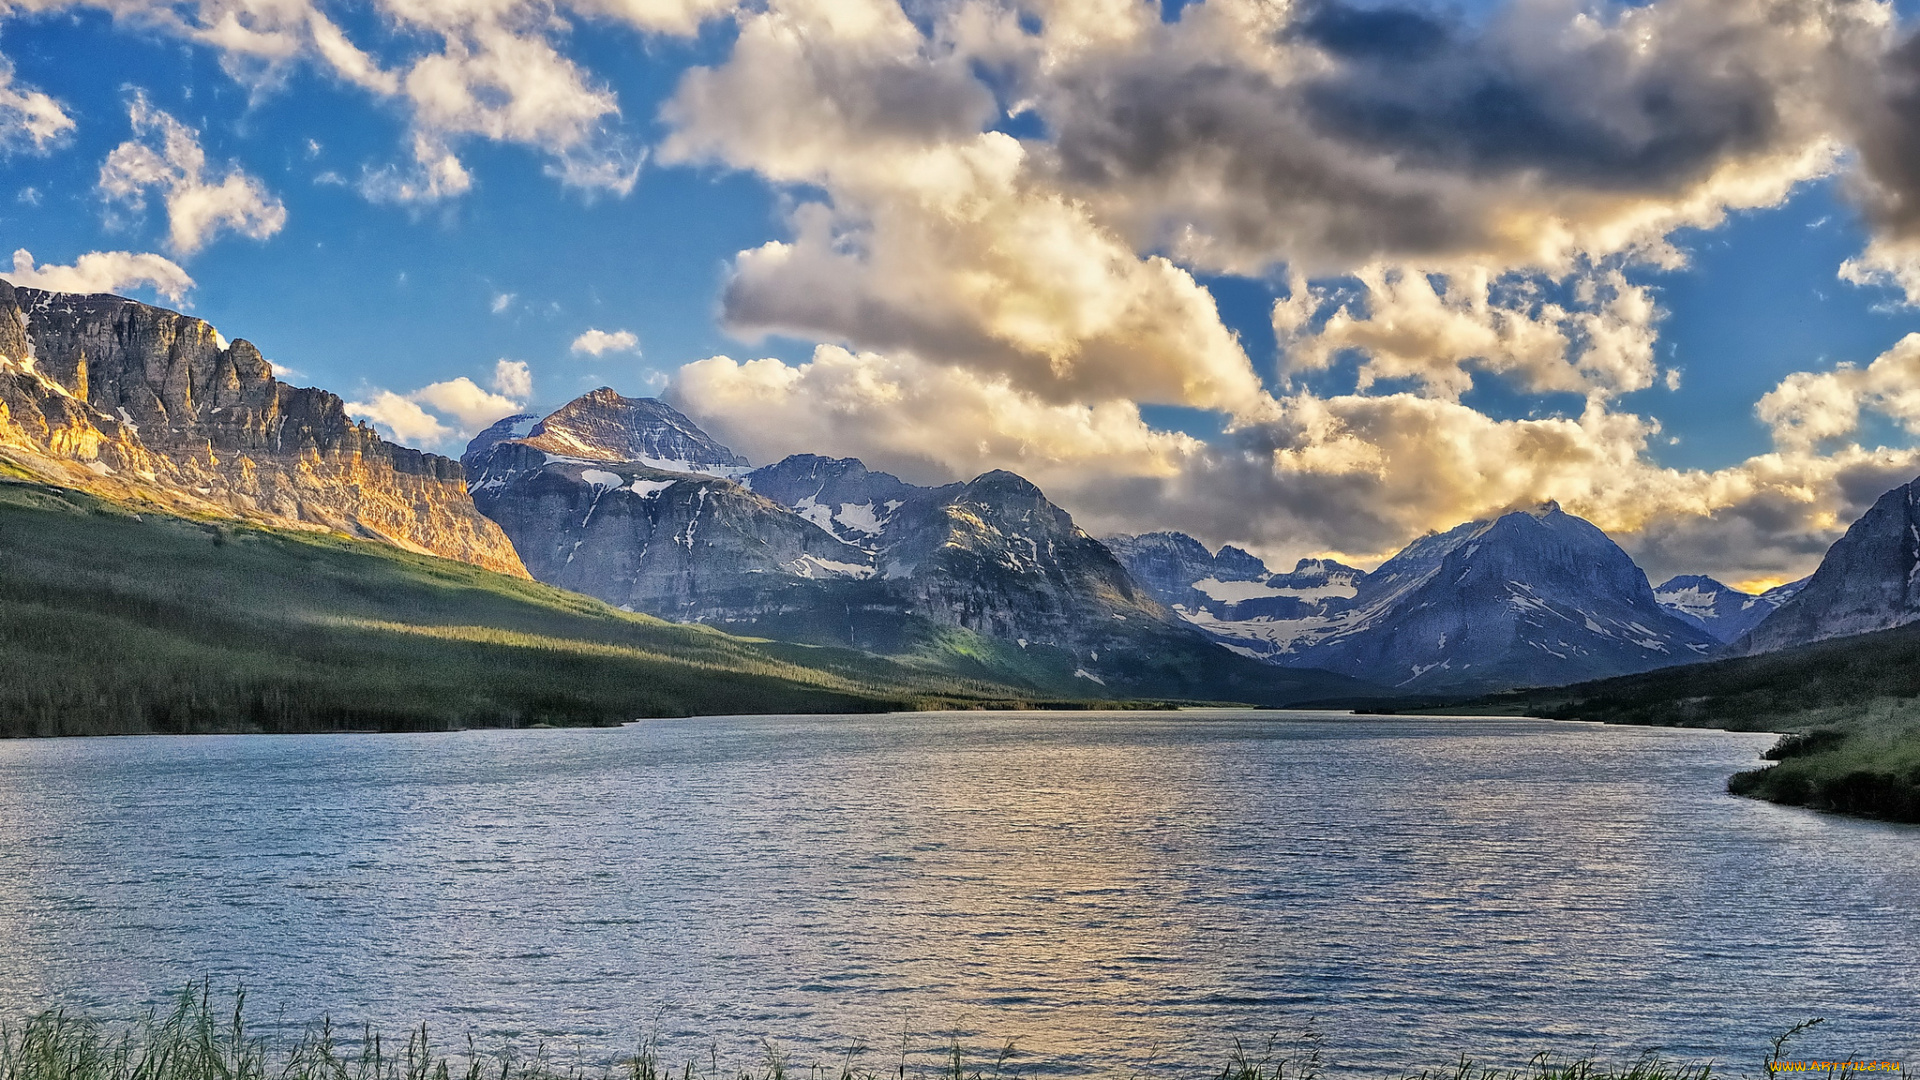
(1722, 610)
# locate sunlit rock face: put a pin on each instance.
(824, 550)
(148, 405)
(1721, 610)
(1532, 598)
(1869, 580)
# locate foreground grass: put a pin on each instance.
(113, 622)
(199, 1040)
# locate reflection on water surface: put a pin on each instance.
(1105, 889)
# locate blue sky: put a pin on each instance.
(365, 292)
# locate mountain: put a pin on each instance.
(1721, 610)
(985, 576)
(116, 622)
(1231, 594)
(1536, 597)
(155, 408)
(1531, 598)
(1869, 580)
(603, 426)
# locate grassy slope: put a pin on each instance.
(1861, 693)
(112, 622)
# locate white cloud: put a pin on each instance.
(501, 302)
(28, 117)
(513, 378)
(436, 175)
(470, 407)
(400, 419)
(601, 342)
(166, 157)
(439, 413)
(1597, 340)
(1811, 408)
(102, 272)
(935, 422)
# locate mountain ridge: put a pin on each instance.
(823, 549)
(139, 403)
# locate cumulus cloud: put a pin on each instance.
(939, 239)
(600, 342)
(488, 69)
(400, 419)
(934, 422)
(166, 158)
(439, 413)
(1354, 476)
(1810, 408)
(1599, 341)
(513, 378)
(102, 272)
(470, 407)
(1330, 136)
(28, 117)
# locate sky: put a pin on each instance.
(1312, 277)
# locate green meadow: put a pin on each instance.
(116, 622)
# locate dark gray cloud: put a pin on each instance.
(1371, 133)
(1887, 140)
(1602, 113)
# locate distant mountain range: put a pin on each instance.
(1529, 598)
(628, 500)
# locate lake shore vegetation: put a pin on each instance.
(201, 1038)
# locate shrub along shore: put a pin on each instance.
(1848, 708)
(200, 1039)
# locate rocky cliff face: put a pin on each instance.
(1869, 580)
(151, 406)
(603, 426)
(825, 550)
(683, 546)
(1721, 610)
(1221, 591)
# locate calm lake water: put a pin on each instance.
(1119, 893)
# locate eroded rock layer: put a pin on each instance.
(147, 405)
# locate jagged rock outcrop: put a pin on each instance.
(1178, 570)
(604, 426)
(1220, 591)
(1721, 610)
(679, 545)
(150, 406)
(1869, 580)
(824, 550)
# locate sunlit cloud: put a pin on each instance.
(600, 342)
(102, 272)
(165, 158)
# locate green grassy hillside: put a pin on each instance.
(1852, 705)
(113, 622)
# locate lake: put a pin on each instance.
(1121, 894)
